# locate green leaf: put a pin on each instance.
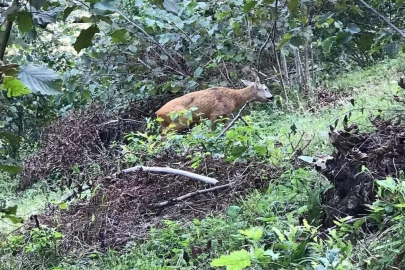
(358, 223)
(14, 87)
(120, 36)
(105, 5)
(281, 236)
(67, 12)
(171, 6)
(85, 38)
(237, 151)
(198, 72)
(63, 205)
(249, 6)
(14, 219)
(297, 41)
(270, 252)
(269, 1)
(389, 184)
(284, 40)
(40, 79)
(353, 28)
(13, 169)
(261, 150)
(327, 44)
(307, 159)
(10, 166)
(37, 3)
(11, 210)
(24, 21)
(43, 18)
(254, 233)
(293, 5)
(322, 18)
(104, 18)
(10, 138)
(233, 210)
(237, 260)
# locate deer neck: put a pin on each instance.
(244, 95)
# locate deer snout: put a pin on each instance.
(270, 98)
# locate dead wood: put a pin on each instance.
(202, 178)
(190, 195)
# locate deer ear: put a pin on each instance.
(247, 83)
(257, 80)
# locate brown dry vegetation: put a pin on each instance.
(124, 208)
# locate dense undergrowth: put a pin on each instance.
(270, 229)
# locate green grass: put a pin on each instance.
(30, 202)
(280, 206)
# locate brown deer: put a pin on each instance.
(210, 104)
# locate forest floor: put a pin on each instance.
(123, 225)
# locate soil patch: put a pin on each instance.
(125, 208)
(382, 152)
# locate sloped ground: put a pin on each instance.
(126, 207)
(358, 160)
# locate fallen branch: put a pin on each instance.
(190, 195)
(233, 121)
(198, 177)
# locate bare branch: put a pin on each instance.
(6, 36)
(198, 177)
(190, 195)
(154, 41)
(400, 32)
(233, 121)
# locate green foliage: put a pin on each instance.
(85, 38)
(290, 249)
(237, 260)
(39, 247)
(14, 87)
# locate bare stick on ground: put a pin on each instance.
(198, 177)
(190, 195)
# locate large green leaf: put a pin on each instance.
(14, 87)
(85, 38)
(293, 5)
(249, 6)
(171, 6)
(327, 43)
(24, 21)
(237, 260)
(67, 12)
(43, 18)
(40, 79)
